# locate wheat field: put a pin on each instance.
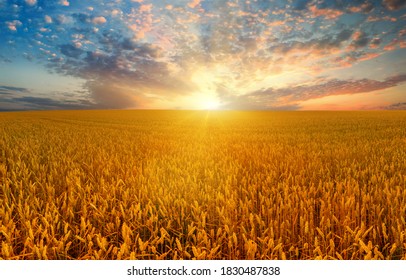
(202, 185)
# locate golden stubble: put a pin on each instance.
(202, 185)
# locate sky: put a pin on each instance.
(203, 54)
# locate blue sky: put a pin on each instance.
(200, 54)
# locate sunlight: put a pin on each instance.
(211, 105)
(208, 102)
(206, 97)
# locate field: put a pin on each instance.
(202, 185)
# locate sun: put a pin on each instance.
(208, 102)
(211, 105)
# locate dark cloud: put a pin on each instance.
(397, 79)
(360, 40)
(394, 4)
(288, 97)
(28, 56)
(82, 18)
(5, 59)
(30, 102)
(121, 71)
(48, 102)
(111, 96)
(143, 50)
(62, 19)
(375, 42)
(396, 106)
(10, 89)
(323, 43)
(333, 87)
(353, 57)
(71, 51)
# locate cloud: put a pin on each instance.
(31, 2)
(71, 51)
(5, 59)
(64, 3)
(286, 97)
(82, 18)
(63, 19)
(116, 12)
(194, 4)
(122, 71)
(108, 95)
(375, 42)
(20, 98)
(35, 103)
(145, 8)
(360, 40)
(365, 7)
(99, 20)
(47, 102)
(395, 44)
(327, 13)
(13, 25)
(396, 106)
(130, 52)
(11, 89)
(47, 19)
(394, 5)
(326, 43)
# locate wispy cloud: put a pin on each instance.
(394, 4)
(19, 98)
(49, 103)
(11, 89)
(272, 98)
(396, 106)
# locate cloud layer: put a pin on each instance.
(144, 54)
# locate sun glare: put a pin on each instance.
(208, 102)
(211, 105)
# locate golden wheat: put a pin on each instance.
(202, 185)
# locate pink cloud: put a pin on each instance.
(277, 23)
(363, 8)
(368, 56)
(116, 12)
(99, 20)
(385, 18)
(64, 3)
(12, 25)
(48, 19)
(31, 2)
(146, 8)
(392, 45)
(326, 13)
(194, 4)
